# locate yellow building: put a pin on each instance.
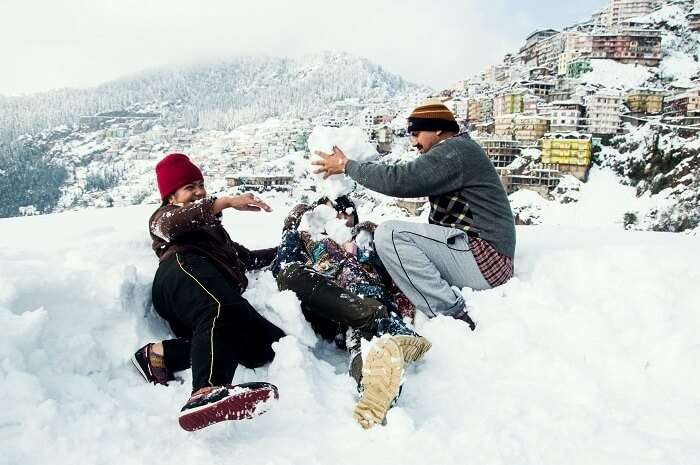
(646, 101)
(567, 149)
(508, 103)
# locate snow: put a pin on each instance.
(323, 220)
(589, 355)
(612, 74)
(352, 141)
(679, 67)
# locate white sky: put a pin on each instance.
(46, 44)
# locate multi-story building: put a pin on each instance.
(576, 44)
(566, 149)
(504, 125)
(259, 181)
(640, 46)
(542, 48)
(565, 116)
(501, 152)
(578, 67)
(530, 128)
(541, 89)
(459, 107)
(479, 109)
(537, 178)
(645, 101)
(621, 10)
(531, 103)
(683, 104)
(603, 112)
(508, 102)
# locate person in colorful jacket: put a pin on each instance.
(470, 238)
(198, 289)
(344, 286)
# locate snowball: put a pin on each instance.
(353, 142)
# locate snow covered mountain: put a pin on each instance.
(214, 95)
(132, 122)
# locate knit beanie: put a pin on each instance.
(174, 171)
(432, 116)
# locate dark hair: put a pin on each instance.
(341, 205)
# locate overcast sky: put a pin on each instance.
(48, 44)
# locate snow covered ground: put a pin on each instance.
(588, 356)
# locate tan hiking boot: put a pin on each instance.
(381, 379)
(413, 347)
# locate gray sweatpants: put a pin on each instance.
(424, 260)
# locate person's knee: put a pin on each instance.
(288, 275)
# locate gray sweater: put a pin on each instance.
(454, 166)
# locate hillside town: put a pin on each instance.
(541, 115)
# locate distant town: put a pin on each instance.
(532, 113)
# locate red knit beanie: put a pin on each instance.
(174, 171)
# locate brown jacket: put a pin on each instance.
(194, 228)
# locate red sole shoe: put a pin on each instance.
(242, 402)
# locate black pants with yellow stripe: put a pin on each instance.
(210, 317)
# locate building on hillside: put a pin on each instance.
(641, 46)
(565, 116)
(504, 126)
(539, 73)
(384, 137)
(536, 178)
(262, 182)
(479, 109)
(570, 151)
(459, 107)
(576, 44)
(603, 113)
(541, 89)
(578, 67)
(683, 104)
(531, 102)
(645, 101)
(622, 10)
(530, 128)
(501, 152)
(508, 102)
(541, 48)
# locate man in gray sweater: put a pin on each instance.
(470, 238)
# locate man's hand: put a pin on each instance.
(330, 163)
(248, 202)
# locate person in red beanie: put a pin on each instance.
(198, 289)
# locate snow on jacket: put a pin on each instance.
(356, 273)
(194, 228)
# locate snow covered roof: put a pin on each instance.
(567, 135)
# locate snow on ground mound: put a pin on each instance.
(589, 355)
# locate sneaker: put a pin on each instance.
(151, 366)
(413, 345)
(241, 402)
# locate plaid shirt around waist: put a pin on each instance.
(495, 267)
(452, 211)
